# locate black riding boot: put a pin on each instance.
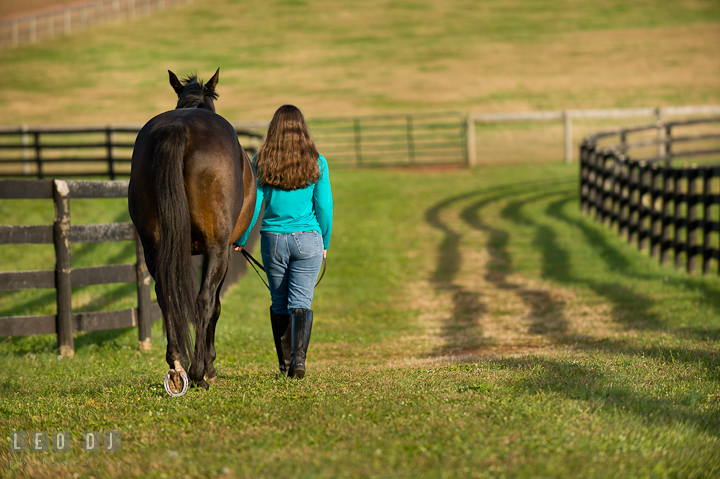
(301, 326)
(281, 335)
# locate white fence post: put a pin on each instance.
(14, 34)
(660, 133)
(67, 27)
(32, 29)
(470, 137)
(567, 117)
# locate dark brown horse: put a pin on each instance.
(192, 191)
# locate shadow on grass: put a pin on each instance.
(591, 232)
(612, 392)
(468, 306)
(631, 307)
(556, 265)
(20, 346)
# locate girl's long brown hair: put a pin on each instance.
(288, 158)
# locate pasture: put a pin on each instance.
(485, 330)
(472, 323)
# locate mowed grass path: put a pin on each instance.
(471, 324)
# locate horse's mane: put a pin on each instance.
(194, 94)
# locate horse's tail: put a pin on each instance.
(175, 270)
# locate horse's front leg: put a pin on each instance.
(210, 374)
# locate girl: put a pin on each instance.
(293, 180)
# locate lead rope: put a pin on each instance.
(253, 262)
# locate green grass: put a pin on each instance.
(471, 324)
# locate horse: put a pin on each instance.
(192, 192)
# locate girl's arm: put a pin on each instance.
(323, 202)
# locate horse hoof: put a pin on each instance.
(203, 384)
(176, 383)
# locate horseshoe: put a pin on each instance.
(186, 384)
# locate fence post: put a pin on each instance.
(654, 226)
(621, 196)
(67, 22)
(568, 137)
(660, 132)
(25, 151)
(678, 219)
(668, 145)
(358, 150)
(665, 235)
(14, 40)
(63, 288)
(50, 25)
(691, 223)
(600, 188)
(470, 138)
(707, 218)
(642, 210)
(143, 298)
(109, 143)
(38, 155)
(410, 142)
(32, 29)
(632, 218)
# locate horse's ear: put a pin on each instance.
(175, 83)
(212, 83)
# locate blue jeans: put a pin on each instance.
(292, 262)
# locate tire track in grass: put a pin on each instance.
(465, 330)
(546, 316)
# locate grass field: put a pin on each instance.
(483, 330)
(471, 324)
(337, 58)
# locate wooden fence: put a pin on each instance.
(106, 151)
(567, 117)
(392, 140)
(64, 21)
(63, 278)
(80, 151)
(665, 209)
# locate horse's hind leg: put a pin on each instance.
(175, 355)
(215, 264)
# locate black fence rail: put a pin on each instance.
(95, 151)
(417, 139)
(668, 210)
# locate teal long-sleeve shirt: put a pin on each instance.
(292, 211)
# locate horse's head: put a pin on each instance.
(193, 94)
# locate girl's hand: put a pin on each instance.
(324, 253)
(237, 248)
